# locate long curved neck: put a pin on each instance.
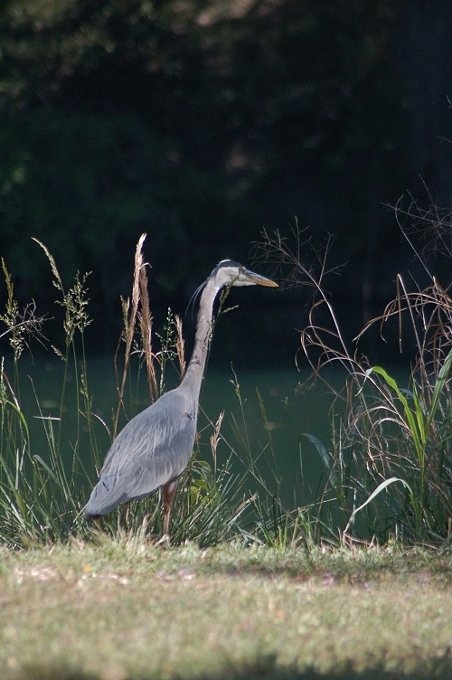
(195, 369)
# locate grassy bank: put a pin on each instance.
(386, 462)
(122, 608)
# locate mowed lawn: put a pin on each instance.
(120, 609)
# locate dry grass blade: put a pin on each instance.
(58, 283)
(130, 313)
(180, 345)
(214, 440)
(145, 320)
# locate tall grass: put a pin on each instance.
(39, 499)
(43, 490)
(389, 460)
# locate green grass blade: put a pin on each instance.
(324, 455)
(410, 419)
(438, 388)
(381, 487)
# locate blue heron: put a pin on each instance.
(154, 448)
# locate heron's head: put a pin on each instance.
(230, 273)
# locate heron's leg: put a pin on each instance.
(169, 491)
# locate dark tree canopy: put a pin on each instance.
(200, 123)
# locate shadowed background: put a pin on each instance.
(202, 123)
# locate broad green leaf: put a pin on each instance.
(381, 487)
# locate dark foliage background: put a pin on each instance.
(201, 123)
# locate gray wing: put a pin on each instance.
(152, 449)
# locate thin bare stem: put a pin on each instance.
(130, 312)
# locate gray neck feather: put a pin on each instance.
(195, 369)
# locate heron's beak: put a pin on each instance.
(258, 280)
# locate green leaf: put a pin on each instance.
(381, 487)
(324, 455)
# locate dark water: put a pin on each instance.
(266, 414)
(272, 410)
